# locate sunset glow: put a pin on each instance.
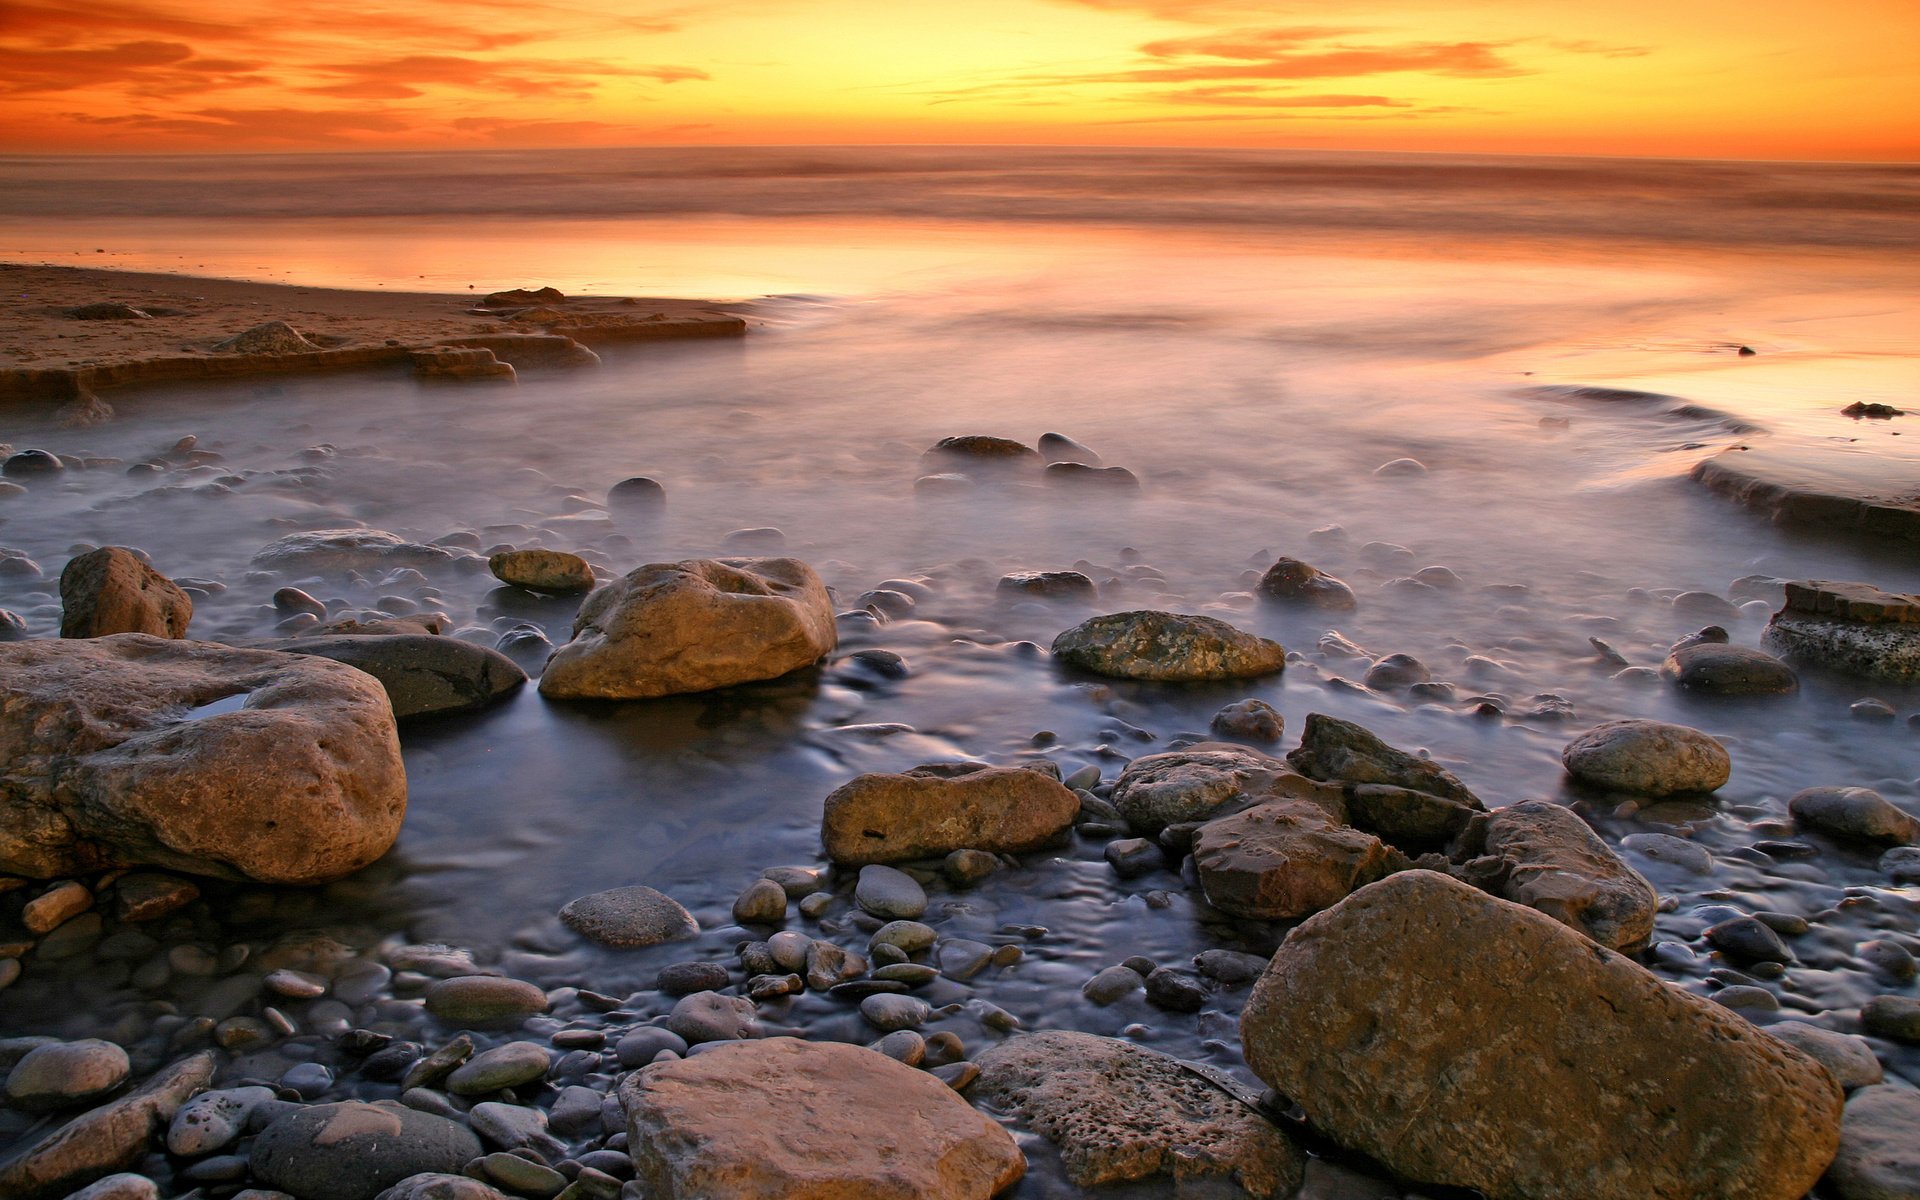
(1753, 79)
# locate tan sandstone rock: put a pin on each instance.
(1544, 856)
(1167, 647)
(110, 590)
(932, 810)
(691, 626)
(783, 1119)
(1280, 861)
(1468, 1041)
(134, 750)
(1120, 1112)
(1158, 790)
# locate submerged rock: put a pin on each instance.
(629, 918)
(1252, 719)
(552, 571)
(724, 1123)
(1647, 758)
(133, 750)
(1072, 474)
(1854, 812)
(353, 1150)
(1293, 582)
(110, 590)
(346, 550)
(1544, 856)
(1470, 1042)
(1850, 627)
(1722, 670)
(669, 628)
(1167, 647)
(978, 450)
(1049, 585)
(936, 809)
(1120, 1113)
(1879, 1156)
(422, 674)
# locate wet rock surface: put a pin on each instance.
(1368, 1007)
(1851, 627)
(111, 590)
(692, 626)
(1651, 758)
(1168, 647)
(933, 810)
(110, 764)
(1544, 856)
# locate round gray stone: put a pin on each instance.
(67, 1074)
(629, 917)
(501, 1067)
(484, 1000)
(353, 1150)
(712, 1017)
(1649, 758)
(889, 894)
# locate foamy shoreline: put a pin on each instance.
(51, 354)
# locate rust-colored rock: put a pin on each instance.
(1168, 647)
(553, 571)
(106, 1139)
(936, 809)
(692, 626)
(783, 1119)
(1544, 856)
(134, 750)
(1467, 1041)
(1281, 861)
(110, 590)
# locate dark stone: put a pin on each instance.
(424, 674)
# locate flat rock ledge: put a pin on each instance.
(1471, 1042)
(134, 750)
(785, 1119)
(939, 808)
(1167, 647)
(1851, 627)
(1813, 488)
(1119, 1113)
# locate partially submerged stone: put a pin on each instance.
(1721, 670)
(1333, 749)
(346, 550)
(552, 571)
(668, 628)
(103, 1140)
(933, 810)
(1158, 790)
(423, 674)
(133, 750)
(1854, 812)
(353, 1150)
(1167, 647)
(1850, 627)
(1283, 861)
(110, 590)
(1470, 1042)
(1291, 581)
(1544, 856)
(1879, 1156)
(782, 1118)
(1119, 1113)
(1647, 758)
(629, 918)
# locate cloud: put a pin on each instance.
(291, 125)
(524, 78)
(1249, 97)
(1308, 54)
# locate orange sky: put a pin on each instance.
(1822, 79)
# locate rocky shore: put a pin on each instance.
(1402, 978)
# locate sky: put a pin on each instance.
(1772, 79)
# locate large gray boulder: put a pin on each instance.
(783, 1119)
(1850, 627)
(936, 809)
(1471, 1042)
(668, 628)
(354, 1150)
(1647, 758)
(1120, 1113)
(133, 750)
(1544, 856)
(104, 1140)
(111, 590)
(1158, 790)
(424, 675)
(1332, 749)
(1167, 647)
(1281, 861)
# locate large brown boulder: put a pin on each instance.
(936, 809)
(1467, 1041)
(1167, 647)
(1158, 790)
(135, 750)
(783, 1119)
(692, 626)
(110, 590)
(1120, 1112)
(1280, 861)
(1544, 856)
